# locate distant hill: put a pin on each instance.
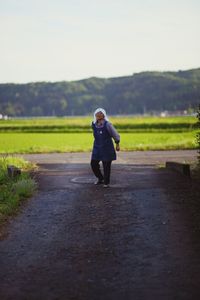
(139, 93)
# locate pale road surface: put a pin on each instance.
(132, 157)
(136, 240)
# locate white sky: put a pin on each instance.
(53, 40)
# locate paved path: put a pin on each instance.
(135, 157)
(73, 240)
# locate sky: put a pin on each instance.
(56, 40)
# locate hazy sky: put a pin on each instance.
(53, 40)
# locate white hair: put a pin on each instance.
(103, 112)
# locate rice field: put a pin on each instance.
(72, 134)
(83, 124)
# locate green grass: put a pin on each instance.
(158, 141)
(14, 190)
(83, 124)
(72, 134)
(72, 142)
(85, 120)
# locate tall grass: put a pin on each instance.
(13, 190)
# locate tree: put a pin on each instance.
(9, 109)
(143, 92)
(63, 105)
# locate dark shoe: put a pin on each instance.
(99, 182)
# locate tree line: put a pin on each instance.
(144, 92)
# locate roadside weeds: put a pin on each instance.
(13, 191)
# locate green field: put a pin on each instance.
(74, 134)
(83, 124)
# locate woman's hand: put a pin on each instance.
(117, 147)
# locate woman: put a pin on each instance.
(103, 148)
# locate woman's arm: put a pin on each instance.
(114, 134)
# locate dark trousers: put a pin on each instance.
(106, 169)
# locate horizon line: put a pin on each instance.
(99, 77)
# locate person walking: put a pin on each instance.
(103, 148)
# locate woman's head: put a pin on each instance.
(100, 114)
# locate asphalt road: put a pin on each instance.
(74, 240)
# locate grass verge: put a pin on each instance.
(14, 190)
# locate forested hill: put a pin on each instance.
(139, 93)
